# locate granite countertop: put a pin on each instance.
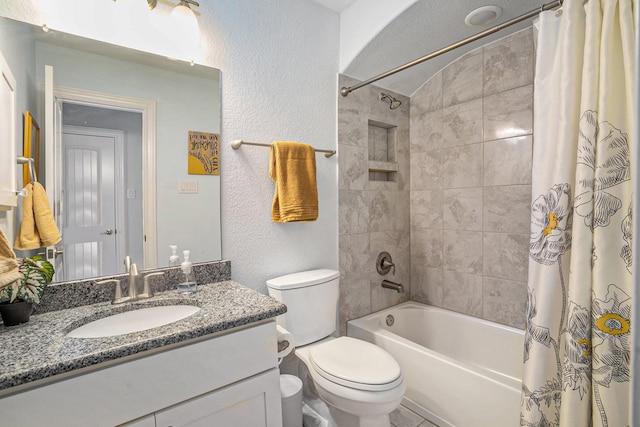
(40, 348)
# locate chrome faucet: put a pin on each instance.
(393, 285)
(132, 291)
(147, 291)
(117, 294)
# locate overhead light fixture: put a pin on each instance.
(183, 29)
(186, 32)
(182, 7)
(483, 16)
(185, 19)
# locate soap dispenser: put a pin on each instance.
(174, 260)
(188, 284)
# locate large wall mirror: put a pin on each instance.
(116, 163)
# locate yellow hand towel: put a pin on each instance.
(38, 228)
(293, 168)
(46, 225)
(27, 237)
(8, 264)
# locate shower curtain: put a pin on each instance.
(577, 339)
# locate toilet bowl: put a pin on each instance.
(350, 382)
(360, 382)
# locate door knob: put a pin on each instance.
(108, 232)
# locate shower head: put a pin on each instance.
(393, 102)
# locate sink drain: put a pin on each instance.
(390, 320)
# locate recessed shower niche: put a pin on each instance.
(383, 165)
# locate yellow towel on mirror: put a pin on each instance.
(293, 168)
(38, 228)
(8, 264)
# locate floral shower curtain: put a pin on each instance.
(577, 339)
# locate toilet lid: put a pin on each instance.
(356, 364)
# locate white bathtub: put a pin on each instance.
(460, 371)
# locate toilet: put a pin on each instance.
(350, 382)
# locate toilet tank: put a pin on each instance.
(311, 298)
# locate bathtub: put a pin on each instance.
(460, 371)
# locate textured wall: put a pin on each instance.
(471, 145)
(374, 215)
(279, 83)
(279, 61)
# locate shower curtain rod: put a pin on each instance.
(346, 90)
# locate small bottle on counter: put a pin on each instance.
(188, 284)
(174, 259)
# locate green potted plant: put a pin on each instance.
(17, 298)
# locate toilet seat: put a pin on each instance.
(356, 364)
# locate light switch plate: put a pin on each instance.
(188, 186)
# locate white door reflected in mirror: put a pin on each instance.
(93, 209)
(96, 153)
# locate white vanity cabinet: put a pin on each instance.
(227, 380)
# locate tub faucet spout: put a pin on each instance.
(393, 285)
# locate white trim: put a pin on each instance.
(148, 110)
(49, 138)
(8, 182)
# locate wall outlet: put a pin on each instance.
(131, 193)
(188, 186)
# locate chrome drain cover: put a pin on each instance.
(390, 320)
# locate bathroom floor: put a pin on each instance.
(403, 417)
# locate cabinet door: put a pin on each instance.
(254, 402)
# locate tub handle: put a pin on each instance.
(385, 263)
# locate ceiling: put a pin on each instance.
(337, 5)
(425, 27)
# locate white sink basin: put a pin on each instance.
(133, 321)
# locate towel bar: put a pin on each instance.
(235, 144)
(22, 193)
(32, 170)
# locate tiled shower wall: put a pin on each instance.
(373, 206)
(456, 218)
(471, 147)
